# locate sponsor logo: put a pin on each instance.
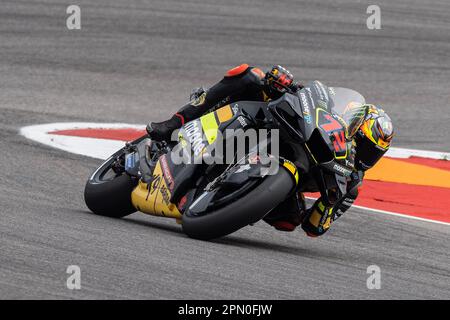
(321, 91)
(308, 119)
(222, 103)
(165, 195)
(130, 161)
(342, 170)
(235, 108)
(306, 109)
(304, 101)
(242, 121)
(194, 134)
(158, 186)
(322, 104)
(310, 97)
(166, 172)
(350, 164)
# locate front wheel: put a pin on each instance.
(246, 210)
(108, 193)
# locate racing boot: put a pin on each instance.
(196, 107)
(160, 131)
(318, 219)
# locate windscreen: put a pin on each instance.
(350, 106)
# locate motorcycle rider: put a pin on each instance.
(371, 141)
(252, 84)
(240, 83)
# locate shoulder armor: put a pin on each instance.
(237, 70)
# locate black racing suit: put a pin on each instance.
(245, 83)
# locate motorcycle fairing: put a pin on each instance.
(244, 173)
(202, 132)
(154, 197)
(334, 133)
(313, 96)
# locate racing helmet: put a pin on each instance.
(278, 79)
(373, 138)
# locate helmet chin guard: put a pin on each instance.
(373, 138)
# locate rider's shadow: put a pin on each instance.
(172, 228)
(230, 240)
(234, 240)
(300, 248)
(269, 246)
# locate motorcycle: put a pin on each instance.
(315, 126)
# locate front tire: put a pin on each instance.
(249, 209)
(110, 197)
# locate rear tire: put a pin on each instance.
(111, 198)
(249, 209)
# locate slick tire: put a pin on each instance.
(249, 209)
(110, 198)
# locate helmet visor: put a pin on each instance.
(353, 117)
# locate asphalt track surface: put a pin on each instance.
(133, 61)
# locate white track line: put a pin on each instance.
(401, 215)
(103, 148)
(406, 153)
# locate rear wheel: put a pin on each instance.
(250, 208)
(108, 190)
